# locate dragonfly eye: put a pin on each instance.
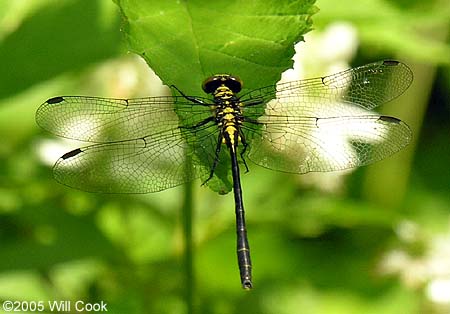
(211, 84)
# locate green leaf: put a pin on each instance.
(185, 42)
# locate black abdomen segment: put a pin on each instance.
(243, 248)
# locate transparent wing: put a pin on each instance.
(102, 120)
(141, 145)
(324, 124)
(148, 164)
(367, 86)
(305, 144)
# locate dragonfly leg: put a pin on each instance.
(190, 98)
(216, 158)
(196, 126)
(245, 145)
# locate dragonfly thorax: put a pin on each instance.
(227, 106)
(228, 116)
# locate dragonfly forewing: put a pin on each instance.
(367, 86)
(103, 120)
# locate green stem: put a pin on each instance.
(188, 243)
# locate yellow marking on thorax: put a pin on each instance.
(223, 92)
(228, 116)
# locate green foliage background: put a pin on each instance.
(314, 251)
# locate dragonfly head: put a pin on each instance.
(211, 84)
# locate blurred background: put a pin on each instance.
(369, 240)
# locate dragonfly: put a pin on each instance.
(142, 145)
